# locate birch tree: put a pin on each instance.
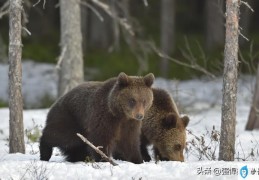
(71, 58)
(16, 131)
(228, 118)
(167, 32)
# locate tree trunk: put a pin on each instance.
(167, 32)
(228, 119)
(16, 131)
(253, 120)
(71, 72)
(214, 24)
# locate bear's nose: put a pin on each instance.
(139, 116)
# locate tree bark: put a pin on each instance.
(16, 131)
(253, 119)
(71, 71)
(228, 119)
(167, 32)
(214, 24)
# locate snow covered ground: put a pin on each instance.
(200, 99)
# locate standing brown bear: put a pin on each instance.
(96, 110)
(164, 129)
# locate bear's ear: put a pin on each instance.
(149, 79)
(185, 120)
(123, 79)
(169, 121)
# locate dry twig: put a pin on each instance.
(247, 5)
(97, 150)
(44, 3)
(192, 65)
(61, 57)
(95, 11)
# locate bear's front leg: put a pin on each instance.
(104, 142)
(128, 147)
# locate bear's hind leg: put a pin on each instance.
(75, 154)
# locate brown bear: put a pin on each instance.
(96, 110)
(164, 129)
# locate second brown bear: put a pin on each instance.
(164, 129)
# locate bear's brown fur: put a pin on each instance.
(128, 151)
(96, 110)
(164, 129)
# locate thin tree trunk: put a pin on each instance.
(167, 32)
(228, 119)
(214, 23)
(71, 72)
(16, 131)
(253, 119)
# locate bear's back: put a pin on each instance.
(77, 102)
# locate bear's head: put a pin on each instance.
(131, 96)
(173, 137)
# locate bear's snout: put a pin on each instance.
(139, 116)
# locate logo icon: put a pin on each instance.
(244, 172)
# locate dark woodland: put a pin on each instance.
(193, 33)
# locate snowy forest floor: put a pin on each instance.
(199, 98)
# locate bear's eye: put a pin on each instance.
(132, 102)
(177, 147)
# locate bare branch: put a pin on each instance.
(242, 35)
(61, 57)
(145, 3)
(44, 3)
(192, 65)
(247, 5)
(122, 21)
(97, 149)
(4, 9)
(93, 9)
(26, 30)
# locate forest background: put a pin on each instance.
(190, 31)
